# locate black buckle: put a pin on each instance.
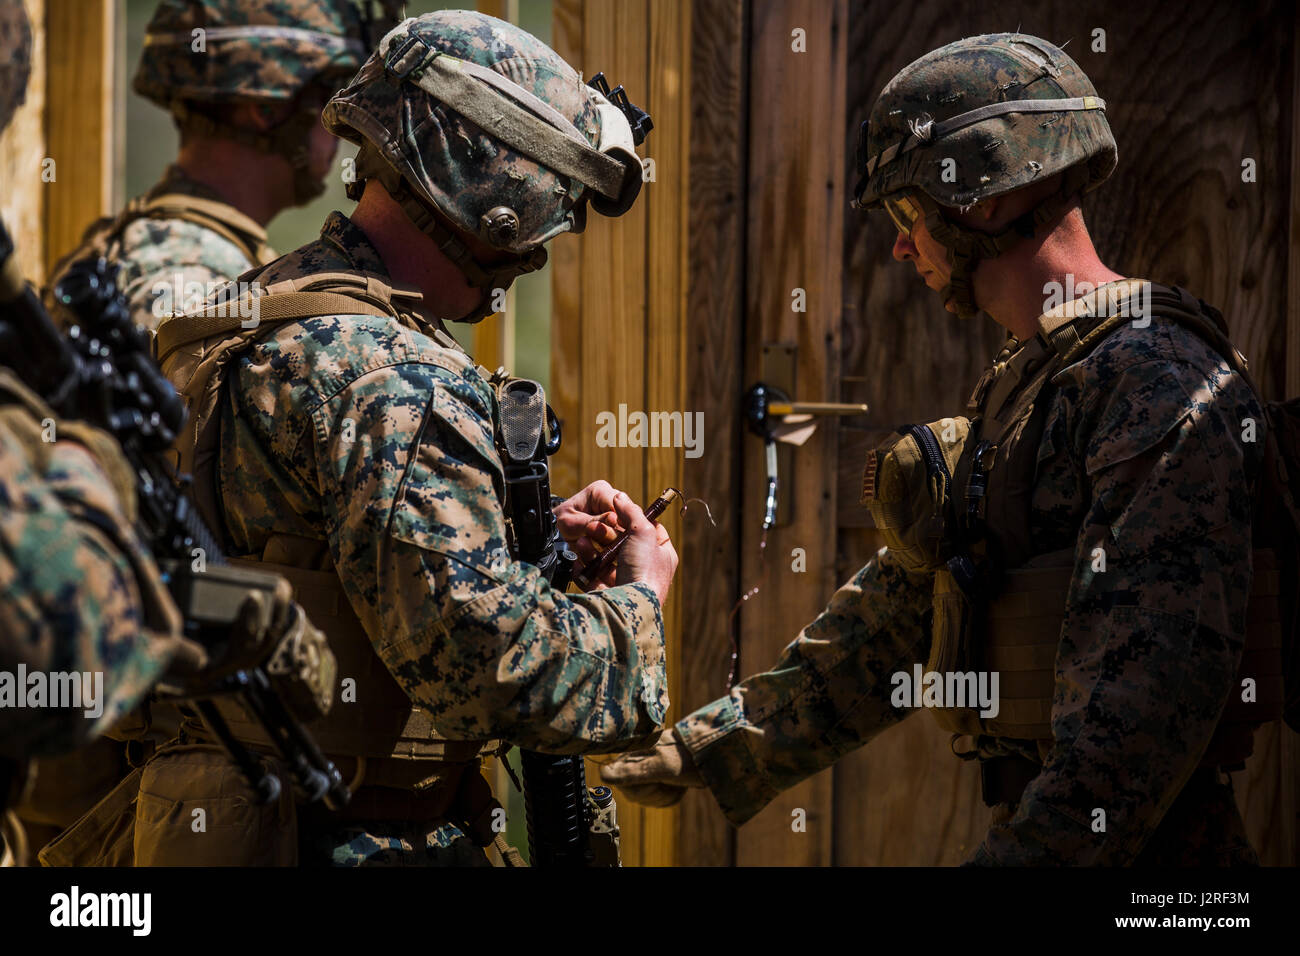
(965, 574)
(977, 487)
(637, 118)
(396, 63)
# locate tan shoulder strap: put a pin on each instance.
(325, 293)
(279, 307)
(1169, 302)
(220, 217)
(223, 219)
(183, 204)
(1059, 327)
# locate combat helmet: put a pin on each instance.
(475, 126)
(975, 119)
(203, 53)
(15, 59)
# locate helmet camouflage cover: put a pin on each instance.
(966, 102)
(976, 119)
(255, 50)
(495, 176)
(15, 58)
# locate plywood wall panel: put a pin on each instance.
(795, 218)
(710, 582)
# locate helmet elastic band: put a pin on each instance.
(931, 132)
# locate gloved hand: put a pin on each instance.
(269, 629)
(297, 658)
(658, 777)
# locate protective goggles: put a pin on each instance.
(905, 209)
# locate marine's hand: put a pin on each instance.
(658, 777)
(591, 520)
(587, 522)
(648, 554)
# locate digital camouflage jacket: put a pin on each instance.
(371, 438)
(79, 595)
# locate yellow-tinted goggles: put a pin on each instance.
(904, 210)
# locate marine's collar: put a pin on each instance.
(176, 180)
(1059, 327)
(348, 240)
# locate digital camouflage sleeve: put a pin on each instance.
(1143, 455)
(376, 437)
(77, 593)
(827, 695)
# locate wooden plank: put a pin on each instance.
(666, 201)
(1268, 794)
(1293, 270)
(113, 183)
(796, 181)
(496, 8)
(22, 147)
(714, 364)
(79, 121)
(613, 284)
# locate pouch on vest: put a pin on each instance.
(104, 835)
(908, 485)
(910, 489)
(195, 808)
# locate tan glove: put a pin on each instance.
(300, 664)
(268, 628)
(658, 777)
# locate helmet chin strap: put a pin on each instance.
(968, 247)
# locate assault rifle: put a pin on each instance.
(103, 372)
(569, 825)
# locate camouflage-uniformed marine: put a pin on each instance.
(78, 594)
(1114, 682)
(179, 241)
(182, 239)
(355, 453)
